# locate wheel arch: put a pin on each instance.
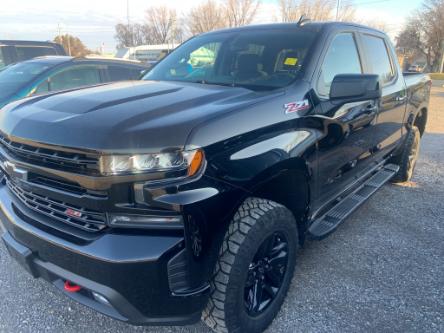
(420, 120)
(288, 184)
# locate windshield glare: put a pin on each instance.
(255, 59)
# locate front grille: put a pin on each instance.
(51, 158)
(61, 185)
(65, 186)
(88, 220)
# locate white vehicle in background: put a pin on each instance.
(149, 54)
(419, 68)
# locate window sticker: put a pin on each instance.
(291, 61)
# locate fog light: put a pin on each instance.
(140, 221)
(101, 299)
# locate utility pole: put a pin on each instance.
(130, 33)
(127, 13)
(69, 44)
(59, 34)
(338, 4)
(59, 30)
(441, 68)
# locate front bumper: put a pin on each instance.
(130, 270)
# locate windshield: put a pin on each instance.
(15, 76)
(255, 59)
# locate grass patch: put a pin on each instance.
(437, 76)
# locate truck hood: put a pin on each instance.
(128, 116)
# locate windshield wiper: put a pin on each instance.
(252, 87)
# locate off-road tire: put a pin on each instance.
(408, 156)
(254, 221)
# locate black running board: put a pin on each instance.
(327, 223)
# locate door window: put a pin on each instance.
(2, 59)
(75, 77)
(120, 73)
(378, 57)
(342, 58)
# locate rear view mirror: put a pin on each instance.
(355, 87)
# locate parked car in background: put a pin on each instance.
(12, 51)
(56, 73)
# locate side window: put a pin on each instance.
(120, 73)
(75, 77)
(342, 58)
(378, 57)
(29, 52)
(2, 59)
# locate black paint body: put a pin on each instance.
(303, 160)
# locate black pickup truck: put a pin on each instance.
(187, 195)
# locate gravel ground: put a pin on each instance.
(382, 271)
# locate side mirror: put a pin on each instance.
(355, 87)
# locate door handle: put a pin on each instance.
(401, 98)
(371, 108)
(365, 118)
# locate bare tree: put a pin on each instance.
(317, 10)
(240, 12)
(205, 17)
(377, 24)
(132, 35)
(424, 34)
(346, 13)
(162, 23)
(289, 10)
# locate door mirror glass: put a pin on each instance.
(355, 87)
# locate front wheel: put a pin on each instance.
(254, 270)
(408, 156)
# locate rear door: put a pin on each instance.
(382, 61)
(342, 157)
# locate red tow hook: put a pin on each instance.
(71, 288)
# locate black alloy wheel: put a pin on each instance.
(254, 270)
(266, 273)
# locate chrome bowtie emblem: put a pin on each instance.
(15, 172)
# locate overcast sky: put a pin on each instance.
(93, 21)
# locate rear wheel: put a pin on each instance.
(408, 157)
(254, 270)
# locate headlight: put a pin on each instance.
(168, 161)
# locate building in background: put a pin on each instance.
(149, 54)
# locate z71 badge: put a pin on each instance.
(296, 106)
